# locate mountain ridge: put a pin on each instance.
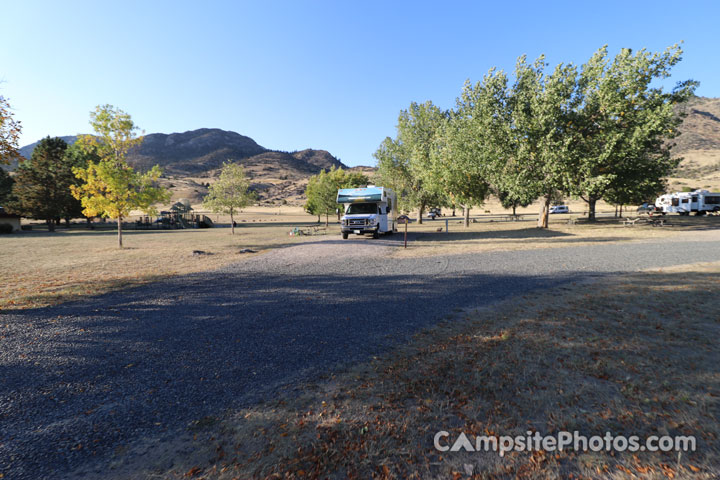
(204, 150)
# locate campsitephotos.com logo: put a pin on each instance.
(534, 441)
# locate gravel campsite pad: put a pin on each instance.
(85, 380)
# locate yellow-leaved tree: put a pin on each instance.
(111, 188)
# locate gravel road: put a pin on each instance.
(80, 380)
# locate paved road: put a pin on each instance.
(81, 379)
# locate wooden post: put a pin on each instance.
(406, 233)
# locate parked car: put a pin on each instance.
(559, 209)
(434, 213)
(647, 208)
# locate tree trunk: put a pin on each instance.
(621, 211)
(51, 225)
(67, 222)
(421, 208)
(119, 220)
(467, 216)
(616, 211)
(453, 214)
(326, 218)
(232, 223)
(544, 212)
(591, 208)
(319, 218)
(514, 207)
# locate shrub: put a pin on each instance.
(6, 228)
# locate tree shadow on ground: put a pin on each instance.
(148, 360)
(634, 356)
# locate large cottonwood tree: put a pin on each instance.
(406, 161)
(624, 125)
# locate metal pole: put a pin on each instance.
(406, 233)
(446, 226)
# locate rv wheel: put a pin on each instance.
(376, 234)
(345, 235)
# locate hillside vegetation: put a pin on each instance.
(699, 145)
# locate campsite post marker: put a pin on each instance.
(404, 219)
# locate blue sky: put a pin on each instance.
(329, 75)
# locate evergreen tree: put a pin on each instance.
(6, 183)
(42, 183)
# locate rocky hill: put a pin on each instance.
(203, 151)
(193, 152)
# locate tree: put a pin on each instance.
(77, 156)
(9, 133)
(312, 204)
(6, 183)
(230, 192)
(624, 124)
(321, 193)
(541, 107)
(393, 172)
(111, 187)
(471, 142)
(115, 134)
(42, 183)
(322, 189)
(508, 200)
(340, 178)
(407, 160)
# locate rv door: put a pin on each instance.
(383, 219)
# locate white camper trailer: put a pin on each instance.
(368, 210)
(699, 201)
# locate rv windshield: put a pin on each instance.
(362, 209)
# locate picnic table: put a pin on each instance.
(309, 230)
(645, 220)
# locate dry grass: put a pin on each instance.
(498, 234)
(46, 268)
(631, 355)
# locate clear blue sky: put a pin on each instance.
(329, 75)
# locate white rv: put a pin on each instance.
(368, 210)
(699, 201)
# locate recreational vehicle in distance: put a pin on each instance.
(368, 210)
(699, 201)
